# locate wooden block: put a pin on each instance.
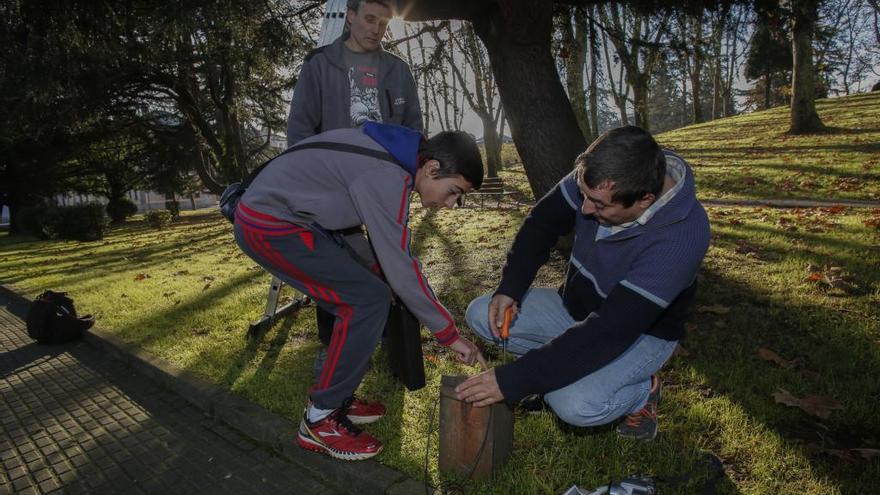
(474, 441)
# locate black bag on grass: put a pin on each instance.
(52, 319)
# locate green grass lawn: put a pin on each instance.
(799, 287)
(187, 295)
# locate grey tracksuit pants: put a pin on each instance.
(320, 265)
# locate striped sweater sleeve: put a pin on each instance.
(382, 201)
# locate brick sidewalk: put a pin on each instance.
(75, 421)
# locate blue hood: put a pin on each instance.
(401, 142)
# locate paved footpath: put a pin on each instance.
(75, 421)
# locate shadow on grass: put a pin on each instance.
(128, 234)
(866, 148)
(835, 352)
(119, 261)
(848, 254)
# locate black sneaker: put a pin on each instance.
(532, 404)
(642, 424)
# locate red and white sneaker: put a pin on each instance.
(337, 437)
(361, 413)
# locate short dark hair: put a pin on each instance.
(627, 156)
(356, 4)
(457, 153)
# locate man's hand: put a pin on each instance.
(467, 352)
(480, 390)
(497, 306)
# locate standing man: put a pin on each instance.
(346, 84)
(353, 80)
(594, 347)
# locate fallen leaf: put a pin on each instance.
(745, 248)
(815, 277)
(140, 276)
(715, 309)
(771, 356)
(820, 406)
(680, 351)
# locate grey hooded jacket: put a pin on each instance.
(342, 190)
(322, 96)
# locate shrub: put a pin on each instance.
(158, 218)
(120, 209)
(34, 220)
(83, 222)
(173, 207)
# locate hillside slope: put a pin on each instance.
(750, 156)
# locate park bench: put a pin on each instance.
(493, 188)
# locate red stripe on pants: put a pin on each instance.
(258, 242)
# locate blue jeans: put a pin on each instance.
(619, 388)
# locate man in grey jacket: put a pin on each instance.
(345, 84)
(354, 80)
(289, 221)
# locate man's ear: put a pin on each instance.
(647, 200)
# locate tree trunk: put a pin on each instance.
(640, 102)
(717, 85)
(575, 40)
(203, 170)
(768, 82)
(697, 72)
(517, 37)
(490, 142)
(618, 96)
(804, 118)
(594, 81)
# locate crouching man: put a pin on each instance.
(594, 347)
(288, 222)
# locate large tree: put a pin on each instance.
(51, 96)
(769, 54)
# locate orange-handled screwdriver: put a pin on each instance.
(505, 329)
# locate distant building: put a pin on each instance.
(145, 200)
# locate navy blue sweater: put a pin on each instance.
(637, 281)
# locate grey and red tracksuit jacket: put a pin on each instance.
(335, 190)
